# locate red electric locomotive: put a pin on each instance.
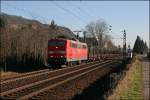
(65, 52)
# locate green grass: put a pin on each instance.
(134, 90)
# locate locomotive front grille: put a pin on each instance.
(57, 61)
(57, 52)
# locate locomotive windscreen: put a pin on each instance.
(56, 43)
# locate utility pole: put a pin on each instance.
(124, 44)
(84, 34)
(149, 43)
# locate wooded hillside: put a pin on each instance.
(24, 42)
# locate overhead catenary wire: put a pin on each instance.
(67, 10)
(87, 11)
(30, 13)
(79, 9)
(116, 35)
(63, 9)
(111, 32)
(70, 12)
(35, 16)
(117, 38)
(90, 10)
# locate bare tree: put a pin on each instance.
(100, 30)
(97, 30)
(91, 29)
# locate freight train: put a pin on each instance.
(72, 52)
(66, 52)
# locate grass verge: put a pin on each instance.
(130, 88)
(134, 88)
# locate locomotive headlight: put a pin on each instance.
(61, 56)
(51, 56)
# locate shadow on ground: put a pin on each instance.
(22, 68)
(103, 87)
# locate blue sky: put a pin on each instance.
(130, 15)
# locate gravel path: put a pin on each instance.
(146, 78)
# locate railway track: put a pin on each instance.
(35, 72)
(11, 78)
(34, 77)
(33, 85)
(77, 85)
(22, 75)
(61, 91)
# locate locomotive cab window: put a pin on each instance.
(61, 43)
(56, 43)
(52, 43)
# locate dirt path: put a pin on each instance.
(146, 78)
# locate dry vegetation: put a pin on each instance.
(130, 88)
(8, 74)
(24, 42)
